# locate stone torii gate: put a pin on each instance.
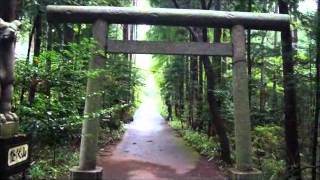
(101, 17)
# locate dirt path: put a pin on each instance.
(151, 150)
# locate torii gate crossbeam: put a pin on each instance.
(167, 16)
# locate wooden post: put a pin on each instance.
(88, 149)
(244, 169)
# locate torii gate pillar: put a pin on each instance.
(244, 169)
(90, 130)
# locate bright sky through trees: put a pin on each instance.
(308, 6)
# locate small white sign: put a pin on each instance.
(18, 154)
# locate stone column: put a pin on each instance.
(242, 122)
(88, 150)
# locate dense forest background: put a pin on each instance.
(196, 91)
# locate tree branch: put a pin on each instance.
(194, 34)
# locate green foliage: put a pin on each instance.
(207, 146)
(56, 114)
(269, 149)
(267, 142)
(273, 169)
(53, 164)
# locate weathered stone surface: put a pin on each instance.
(93, 103)
(8, 34)
(95, 174)
(169, 48)
(236, 174)
(241, 100)
(9, 129)
(165, 16)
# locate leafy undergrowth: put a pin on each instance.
(267, 147)
(268, 151)
(206, 146)
(54, 162)
(51, 163)
(108, 136)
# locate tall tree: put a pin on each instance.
(213, 108)
(37, 48)
(216, 60)
(290, 121)
(211, 97)
(212, 100)
(317, 110)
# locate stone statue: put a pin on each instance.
(8, 34)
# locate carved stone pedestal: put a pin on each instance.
(9, 129)
(95, 174)
(235, 174)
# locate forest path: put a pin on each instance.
(150, 150)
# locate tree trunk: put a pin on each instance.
(169, 107)
(262, 88)
(31, 35)
(187, 88)
(200, 96)
(38, 35)
(317, 110)
(68, 34)
(290, 121)
(274, 100)
(214, 108)
(48, 60)
(125, 37)
(36, 53)
(194, 91)
(191, 90)
(180, 108)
